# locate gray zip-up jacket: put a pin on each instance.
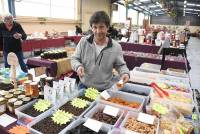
(98, 69)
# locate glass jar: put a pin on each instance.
(10, 104)
(18, 104)
(8, 96)
(49, 81)
(26, 99)
(3, 92)
(27, 87)
(17, 93)
(12, 91)
(20, 97)
(34, 89)
(2, 105)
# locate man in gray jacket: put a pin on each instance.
(96, 56)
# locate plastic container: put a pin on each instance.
(154, 68)
(174, 80)
(46, 114)
(139, 89)
(25, 118)
(101, 106)
(83, 120)
(184, 108)
(135, 115)
(127, 97)
(91, 104)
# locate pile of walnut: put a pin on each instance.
(137, 126)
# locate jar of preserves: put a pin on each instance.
(10, 104)
(34, 90)
(2, 105)
(27, 87)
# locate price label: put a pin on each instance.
(146, 118)
(105, 95)
(93, 125)
(109, 110)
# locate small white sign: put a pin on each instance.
(146, 118)
(93, 125)
(131, 132)
(109, 110)
(105, 95)
(6, 120)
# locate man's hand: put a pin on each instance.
(80, 71)
(125, 78)
(17, 36)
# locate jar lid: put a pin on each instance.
(26, 99)
(49, 78)
(2, 99)
(9, 96)
(43, 77)
(12, 90)
(27, 81)
(17, 92)
(17, 103)
(33, 83)
(21, 96)
(3, 92)
(12, 100)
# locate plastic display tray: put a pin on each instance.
(47, 114)
(135, 115)
(127, 97)
(101, 106)
(23, 118)
(139, 89)
(83, 120)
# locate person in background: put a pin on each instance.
(11, 36)
(96, 55)
(78, 30)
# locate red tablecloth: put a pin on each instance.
(75, 39)
(30, 45)
(38, 62)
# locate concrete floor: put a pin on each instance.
(193, 53)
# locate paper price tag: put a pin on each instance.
(105, 95)
(109, 110)
(146, 118)
(130, 132)
(93, 125)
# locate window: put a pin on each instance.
(3, 7)
(141, 18)
(134, 15)
(47, 8)
(119, 16)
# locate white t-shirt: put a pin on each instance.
(99, 48)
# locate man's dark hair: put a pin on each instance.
(100, 17)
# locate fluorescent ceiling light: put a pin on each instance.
(184, 6)
(185, 2)
(190, 4)
(198, 5)
(197, 10)
(189, 9)
(157, 3)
